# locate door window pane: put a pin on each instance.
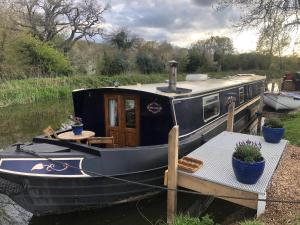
(130, 113)
(113, 113)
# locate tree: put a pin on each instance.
(203, 53)
(122, 39)
(114, 64)
(149, 64)
(273, 39)
(219, 47)
(47, 19)
(259, 13)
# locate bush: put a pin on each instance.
(114, 65)
(149, 64)
(251, 222)
(187, 220)
(33, 52)
(248, 151)
(273, 123)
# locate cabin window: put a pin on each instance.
(242, 95)
(250, 91)
(211, 107)
(113, 112)
(130, 113)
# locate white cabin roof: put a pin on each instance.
(197, 87)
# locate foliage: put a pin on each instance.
(149, 64)
(259, 14)
(273, 122)
(251, 222)
(248, 151)
(122, 39)
(292, 128)
(33, 52)
(187, 220)
(296, 220)
(46, 20)
(45, 89)
(114, 64)
(76, 120)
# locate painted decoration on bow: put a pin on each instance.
(55, 167)
(154, 107)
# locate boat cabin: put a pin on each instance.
(143, 114)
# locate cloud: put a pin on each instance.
(180, 22)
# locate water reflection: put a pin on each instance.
(276, 87)
(20, 123)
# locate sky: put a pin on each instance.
(180, 22)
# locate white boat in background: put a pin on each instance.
(282, 100)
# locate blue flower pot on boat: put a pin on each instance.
(272, 135)
(247, 173)
(77, 129)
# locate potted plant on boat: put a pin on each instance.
(247, 162)
(77, 126)
(273, 130)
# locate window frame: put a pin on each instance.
(204, 105)
(241, 88)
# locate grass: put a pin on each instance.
(292, 128)
(251, 222)
(44, 89)
(188, 220)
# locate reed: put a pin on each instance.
(44, 89)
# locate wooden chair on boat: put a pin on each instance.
(50, 133)
(108, 141)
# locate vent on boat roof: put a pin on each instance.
(196, 77)
(173, 80)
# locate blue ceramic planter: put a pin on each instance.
(77, 129)
(247, 173)
(272, 135)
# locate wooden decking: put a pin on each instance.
(217, 178)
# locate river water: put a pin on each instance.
(22, 122)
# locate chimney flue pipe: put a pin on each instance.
(173, 75)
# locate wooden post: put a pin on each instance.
(230, 119)
(260, 109)
(172, 174)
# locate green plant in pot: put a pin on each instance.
(77, 126)
(247, 162)
(273, 130)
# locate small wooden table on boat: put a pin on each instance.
(70, 136)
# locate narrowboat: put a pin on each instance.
(53, 176)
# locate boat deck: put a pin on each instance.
(197, 87)
(216, 177)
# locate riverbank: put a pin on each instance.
(46, 89)
(285, 185)
(34, 90)
(292, 128)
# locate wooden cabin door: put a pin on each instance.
(122, 119)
